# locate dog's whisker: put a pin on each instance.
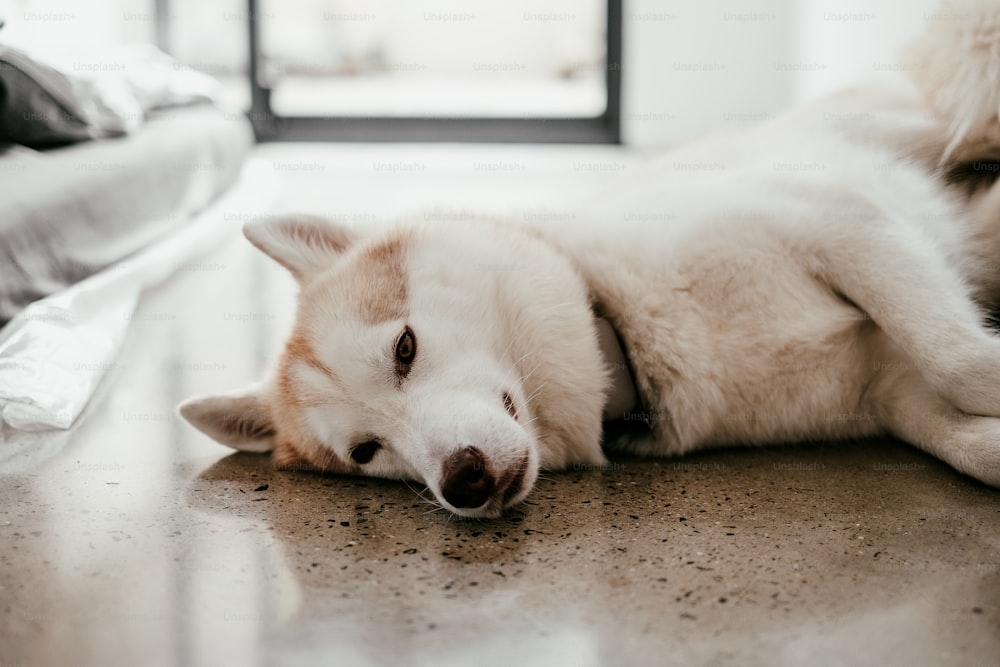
(515, 366)
(434, 507)
(525, 377)
(420, 494)
(506, 352)
(537, 390)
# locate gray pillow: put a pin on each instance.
(41, 107)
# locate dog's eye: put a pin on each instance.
(365, 452)
(406, 351)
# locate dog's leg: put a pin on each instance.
(904, 282)
(912, 411)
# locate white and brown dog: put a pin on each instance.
(777, 304)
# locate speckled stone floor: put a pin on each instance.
(132, 539)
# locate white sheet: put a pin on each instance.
(54, 353)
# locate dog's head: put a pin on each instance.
(460, 356)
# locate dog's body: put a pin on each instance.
(823, 276)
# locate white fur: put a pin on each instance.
(814, 278)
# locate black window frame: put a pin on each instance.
(602, 129)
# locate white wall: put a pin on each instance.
(854, 39)
(690, 67)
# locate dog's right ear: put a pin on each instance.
(303, 244)
(241, 421)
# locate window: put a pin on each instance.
(421, 70)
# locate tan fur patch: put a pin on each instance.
(292, 396)
(290, 456)
(384, 291)
(299, 347)
(295, 448)
(376, 288)
(328, 461)
(286, 457)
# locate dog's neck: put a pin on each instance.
(623, 397)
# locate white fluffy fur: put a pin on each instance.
(957, 65)
(814, 278)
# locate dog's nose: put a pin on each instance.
(465, 482)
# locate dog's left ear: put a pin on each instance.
(241, 421)
(303, 244)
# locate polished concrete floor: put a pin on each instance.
(134, 540)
